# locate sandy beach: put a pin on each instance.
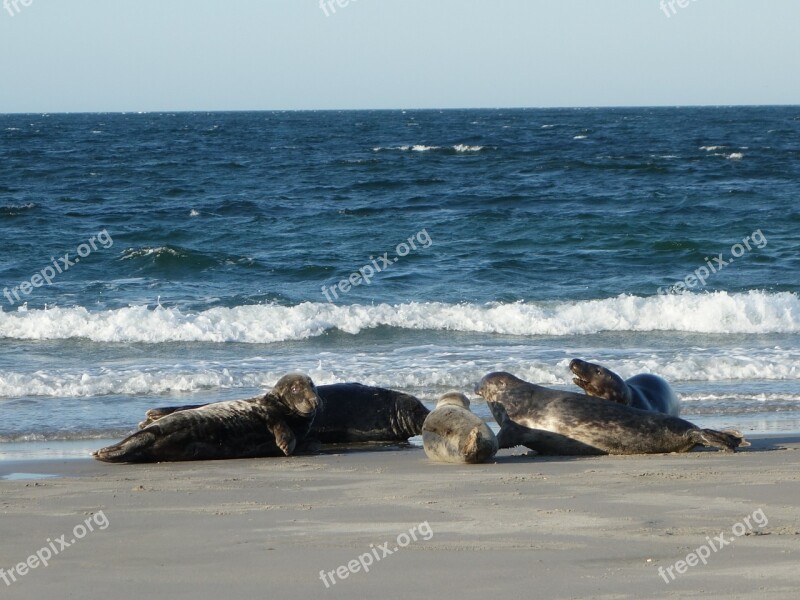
(595, 527)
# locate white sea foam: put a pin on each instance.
(712, 148)
(735, 156)
(129, 253)
(424, 148)
(580, 137)
(132, 382)
(719, 312)
(755, 400)
(14, 207)
(425, 372)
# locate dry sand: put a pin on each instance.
(522, 527)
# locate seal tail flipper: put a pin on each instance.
(511, 434)
(477, 447)
(128, 450)
(727, 440)
(470, 447)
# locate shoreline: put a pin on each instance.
(68, 452)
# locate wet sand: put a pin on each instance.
(523, 527)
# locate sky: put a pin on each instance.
(178, 55)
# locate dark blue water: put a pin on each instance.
(510, 239)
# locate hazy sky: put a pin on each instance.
(144, 55)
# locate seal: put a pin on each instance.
(271, 425)
(555, 422)
(645, 391)
(452, 433)
(351, 413)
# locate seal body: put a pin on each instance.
(564, 423)
(645, 391)
(271, 425)
(454, 434)
(352, 413)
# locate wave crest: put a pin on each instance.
(720, 313)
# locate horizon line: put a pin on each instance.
(395, 109)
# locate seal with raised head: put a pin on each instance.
(555, 422)
(645, 391)
(453, 433)
(270, 425)
(351, 413)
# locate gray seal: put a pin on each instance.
(271, 425)
(452, 433)
(645, 391)
(351, 413)
(555, 422)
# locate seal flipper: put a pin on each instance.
(511, 434)
(727, 440)
(128, 450)
(284, 437)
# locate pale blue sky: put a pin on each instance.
(145, 55)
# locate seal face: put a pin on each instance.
(270, 425)
(351, 413)
(564, 423)
(645, 391)
(454, 434)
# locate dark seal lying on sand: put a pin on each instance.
(351, 413)
(555, 422)
(271, 425)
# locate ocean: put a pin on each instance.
(172, 258)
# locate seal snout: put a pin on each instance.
(582, 372)
(580, 368)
